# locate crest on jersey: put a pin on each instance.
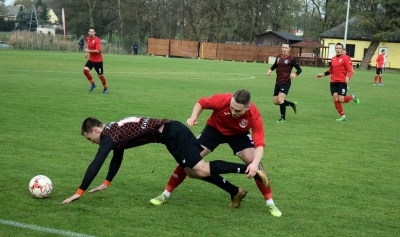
(286, 61)
(277, 60)
(243, 123)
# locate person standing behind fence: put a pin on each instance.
(380, 60)
(135, 48)
(81, 43)
(93, 50)
(284, 64)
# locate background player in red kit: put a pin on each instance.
(232, 118)
(95, 60)
(137, 131)
(380, 60)
(341, 72)
(284, 64)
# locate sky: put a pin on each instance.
(9, 2)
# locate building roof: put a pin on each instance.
(284, 35)
(12, 10)
(308, 43)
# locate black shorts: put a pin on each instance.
(340, 88)
(97, 66)
(210, 137)
(182, 144)
(284, 88)
(378, 71)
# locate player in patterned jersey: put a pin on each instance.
(95, 60)
(232, 118)
(341, 72)
(284, 64)
(379, 65)
(137, 131)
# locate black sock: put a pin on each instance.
(288, 103)
(283, 110)
(224, 167)
(222, 184)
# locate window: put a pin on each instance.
(350, 49)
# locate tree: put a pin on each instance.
(381, 18)
(44, 13)
(2, 7)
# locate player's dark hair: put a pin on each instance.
(242, 97)
(88, 124)
(339, 44)
(383, 50)
(92, 28)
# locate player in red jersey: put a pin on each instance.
(232, 118)
(95, 60)
(380, 60)
(341, 72)
(137, 131)
(284, 64)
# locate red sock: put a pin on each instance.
(88, 76)
(348, 98)
(375, 79)
(176, 178)
(266, 192)
(103, 81)
(339, 108)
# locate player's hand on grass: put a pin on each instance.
(101, 187)
(72, 198)
(251, 170)
(293, 76)
(269, 73)
(86, 55)
(191, 121)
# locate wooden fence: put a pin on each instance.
(220, 51)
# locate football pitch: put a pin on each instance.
(328, 178)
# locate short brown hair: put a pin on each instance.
(88, 124)
(242, 97)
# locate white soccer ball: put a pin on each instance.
(40, 186)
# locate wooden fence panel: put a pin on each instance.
(192, 49)
(183, 48)
(158, 46)
(208, 50)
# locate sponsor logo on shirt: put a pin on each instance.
(227, 113)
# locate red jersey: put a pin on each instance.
(340, 67)
(380, 60)
(94, 44)
(222, 119)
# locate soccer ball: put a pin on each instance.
(40, 186)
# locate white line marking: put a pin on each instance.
(163, 75)
(43, 229)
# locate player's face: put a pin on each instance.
(91, 33)
(285, 49)
(237, 109)
(338, 49)
(93, 137)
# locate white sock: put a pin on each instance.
(270, 201)
(166, 193)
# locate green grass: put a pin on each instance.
(328, 178)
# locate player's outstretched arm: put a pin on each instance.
(197, 109)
